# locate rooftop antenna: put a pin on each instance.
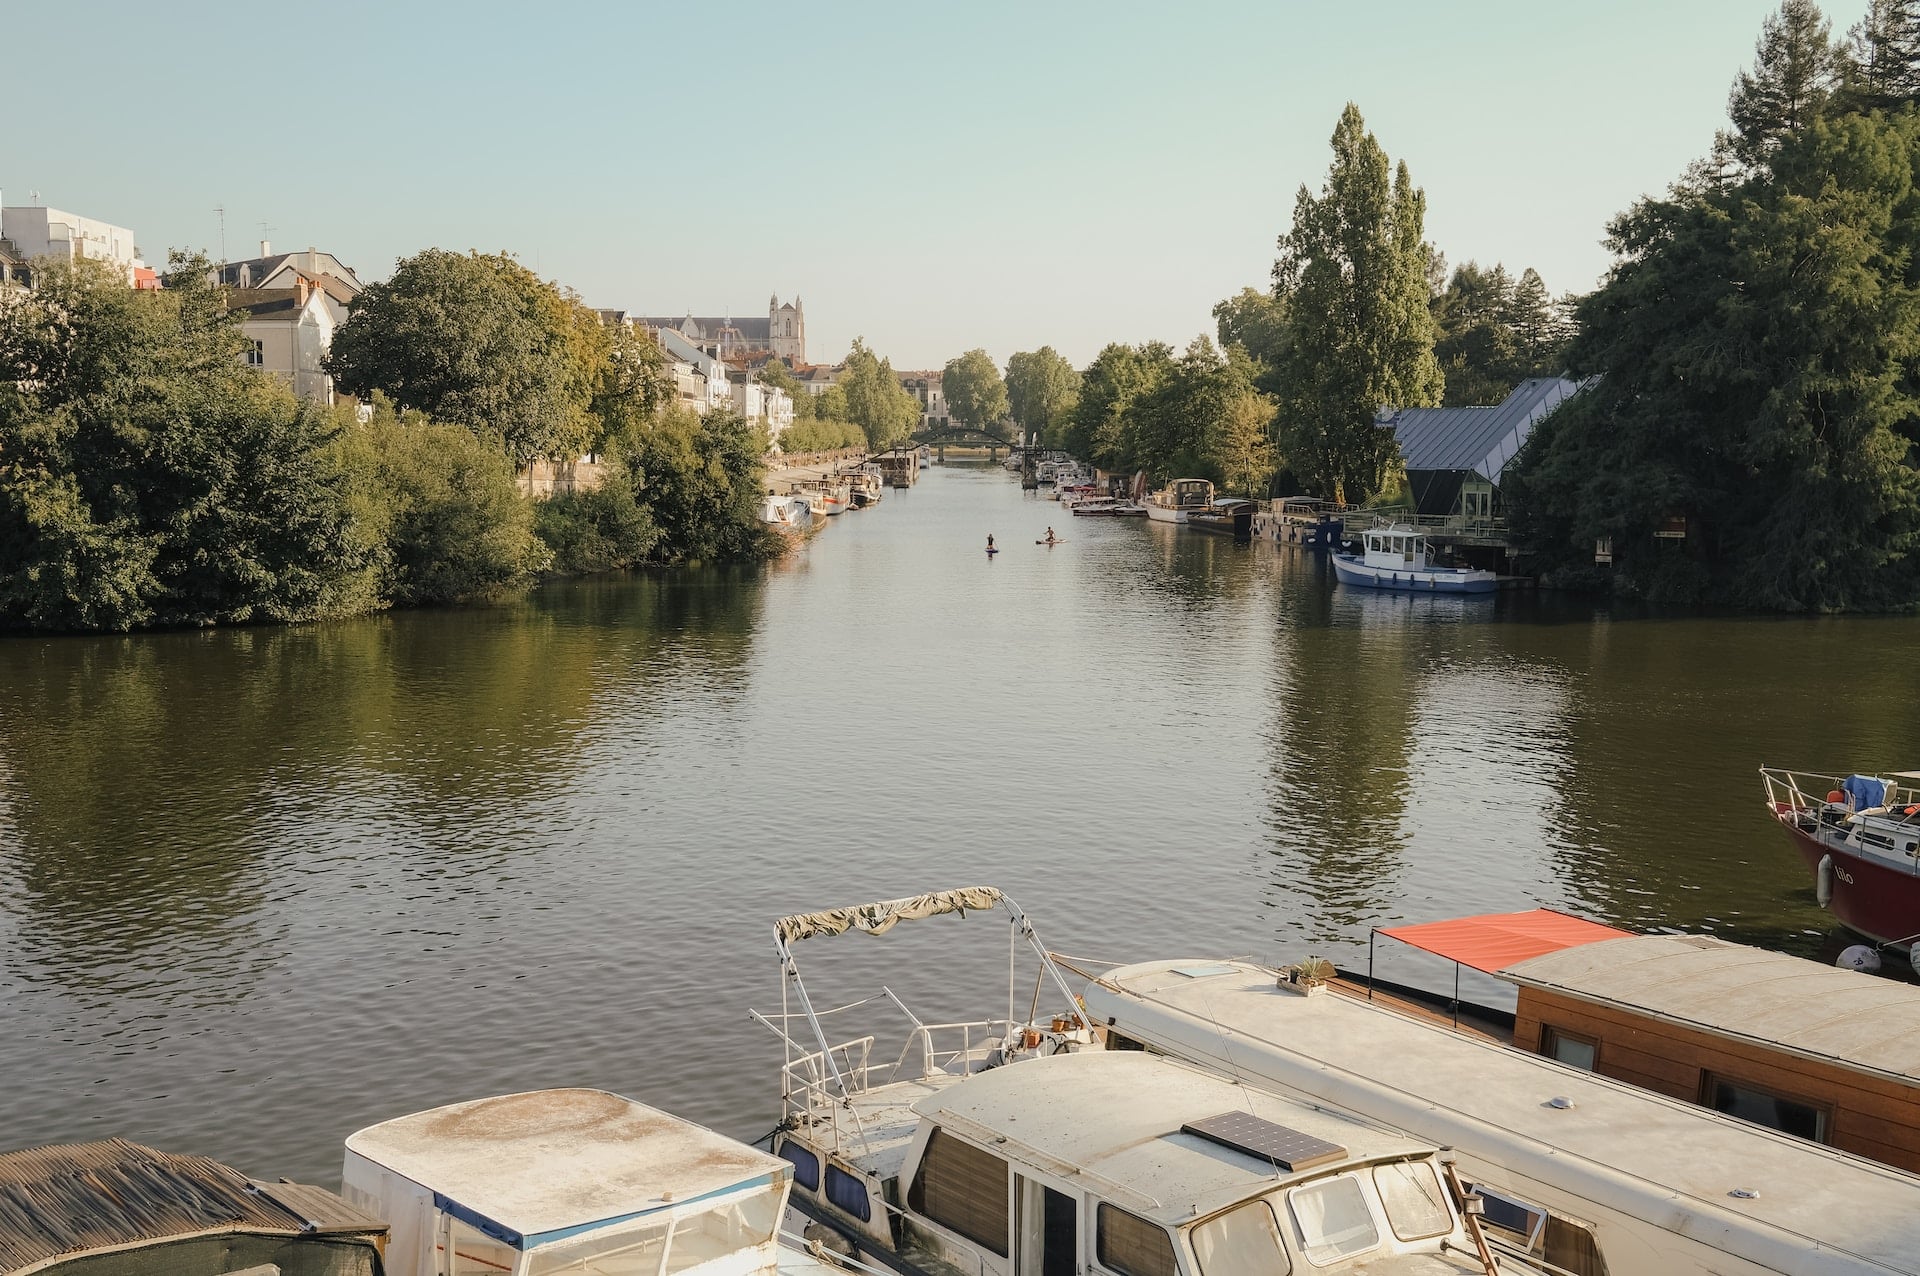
(33, 197)
(221, 210)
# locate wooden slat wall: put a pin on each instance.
(1871, 1116)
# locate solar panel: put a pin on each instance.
(1289, 1149)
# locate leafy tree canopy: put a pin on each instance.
(1041, 389)
(875, 400)
(975, 394)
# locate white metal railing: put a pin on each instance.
(1793, 791)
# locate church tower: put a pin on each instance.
(787, 329)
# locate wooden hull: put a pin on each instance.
(1870, 897)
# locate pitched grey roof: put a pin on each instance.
(1479, 439)
(680, 348)
(749, 328)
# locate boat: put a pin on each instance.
(1231, 517)
(114, 1208)
(1860, 838)
(1399, 557)
(571, 1181)
(1586, 1173)
(790, 513)
(865, 485)
(1176, 502)
(1095, 507)
(1045, 471)
(1010, 1148)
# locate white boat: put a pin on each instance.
(1589, 1173)
(793, 512)
(1398, 557)
(571, 1181)
(1036, 1153)
(1176, 502)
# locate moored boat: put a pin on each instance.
(1399, 557)
(790, 513)
(1860, 837)
(1177, 501)
(1231, 517)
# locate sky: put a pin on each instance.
(929, 177)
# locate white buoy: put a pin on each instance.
(1859, 957)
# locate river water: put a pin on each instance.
(261, 887)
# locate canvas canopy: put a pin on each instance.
(881, 917)
(1494, 941)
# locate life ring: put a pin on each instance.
(1823, 882)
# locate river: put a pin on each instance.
(261, 887)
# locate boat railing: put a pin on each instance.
(1807, 791)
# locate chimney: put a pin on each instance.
(266, 249)
(300, 288)
(313, 260)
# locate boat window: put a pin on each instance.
(1244, 1241)
(1572, 1249)
(1407, 544)
(471, 1252)
(964, 1190)
(1750, 1103)
(1520, 1221)
(848, 1193)
(744, 1222)
(806, 1166)
(632, 1253)
(1574, 1051)
(1416, 1204)
(1130, 1245)
(1333, 1219)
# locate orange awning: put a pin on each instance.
(1497, 940)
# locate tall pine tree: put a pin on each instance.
(1354, 270)
(1880, 65)
(1793, 79)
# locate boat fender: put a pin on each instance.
(823, 1239)
(1823, 882)
(1913, 958)
(1859, 957)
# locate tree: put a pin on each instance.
(702, 479)
(477, 341)
(1880, 63)
(1792, 80)
(1757, 347)
(974, 392)
(1041, 389)
(1256, 322)
(1354, 271)
(1242, 445)
(1098, 428)
(148, 477)
(875, 399)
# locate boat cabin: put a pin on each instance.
(119, 1209)
(570, 1181)
(1125, 1164)
(1397, 547)
(1185, 494)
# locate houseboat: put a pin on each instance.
(1230, 517)
(1860, 837)
(571, 1181)
(1583, 1172)
(1176, 502)
(114, 1208)
(1398, 557)
(790, 513)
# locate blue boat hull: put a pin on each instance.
(1426, 580)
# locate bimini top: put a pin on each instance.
(1841, 1017)
(560, 1160)
(72, 1199)
(1117, 1118)
(1494, 941)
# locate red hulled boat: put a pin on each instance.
(1860, 835)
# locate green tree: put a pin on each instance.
(1041, 389)
(1758, 347)
(1354, 271)
(1173, 426)
(475, 340)
(1098, 428)
(702, 477)
(1477, 346)
(1880, 62)
(148, 477)
(1241, 448)
(1256, 322)
(875, 399)
(976, 396)
(1790, 85)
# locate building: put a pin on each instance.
(757, 401)
(48, 232)
(925, 386)
(700, 380)
(1455, 456)
(782, 334)
(818, 378)
(323, 271)
(290, 331)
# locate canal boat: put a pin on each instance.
(1229, 517)
(1859, 835)
(1398, 557)
(1177, 501)
(1583, 1172)
(790, 513)
(571, 1181)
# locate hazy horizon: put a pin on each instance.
(933, 182)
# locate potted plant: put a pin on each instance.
(1309, 978)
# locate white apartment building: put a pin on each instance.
(289, 331)
(36, 231)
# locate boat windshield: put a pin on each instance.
(741, 1223)
(1333, 1219)
(1245, 1241)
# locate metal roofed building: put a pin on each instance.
(115, 1209)
(1455, 456)
(1117, 1117)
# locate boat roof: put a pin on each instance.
(1115, 1118)
(74, 1198)
(560, 1160)
(1493, 941)
(1843, 1017)
(1683, 1155)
